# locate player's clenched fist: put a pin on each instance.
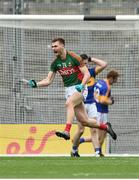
(32, 83)
(79, 87)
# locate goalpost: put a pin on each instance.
(25, 53)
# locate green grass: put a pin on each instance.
(67, 167)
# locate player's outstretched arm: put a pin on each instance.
(45, 82)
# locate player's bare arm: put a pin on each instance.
(47, 81)
(106, 100)
(85, 79)
(86, 74)
(100, 64)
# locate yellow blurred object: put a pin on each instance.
(39, 139)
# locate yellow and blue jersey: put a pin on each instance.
(102, 90)
(90, 86)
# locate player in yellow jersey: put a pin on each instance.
(90, 104)
(102, 97)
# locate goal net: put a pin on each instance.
(25, 53)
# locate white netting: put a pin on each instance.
(25, 52)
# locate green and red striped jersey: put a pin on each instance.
(69, 68)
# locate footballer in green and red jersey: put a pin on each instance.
(69, 68)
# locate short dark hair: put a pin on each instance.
(84, 56)
(61, 40)
(113, 73)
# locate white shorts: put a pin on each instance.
(91, 110)
(102, 117)
(69, 91)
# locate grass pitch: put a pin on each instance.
(67, 167)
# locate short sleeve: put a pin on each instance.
(53, 67)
